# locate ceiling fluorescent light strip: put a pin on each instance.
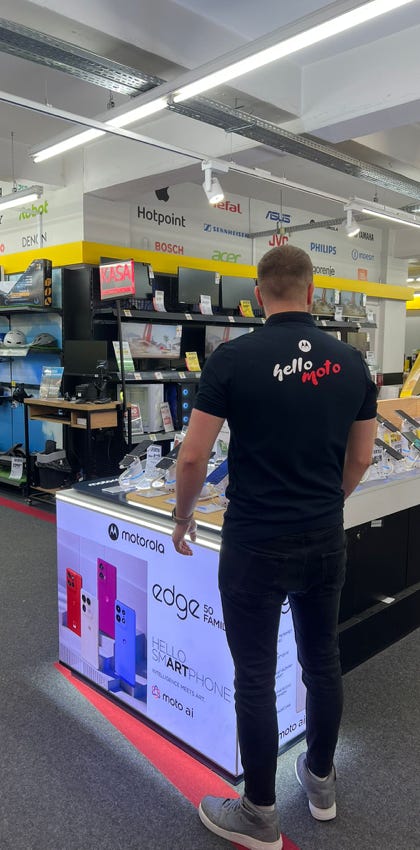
(89, 135)
(19, 199)
(313, 35)
(390, 217)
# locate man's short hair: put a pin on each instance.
(285, 273)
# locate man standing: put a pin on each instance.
(301, 409)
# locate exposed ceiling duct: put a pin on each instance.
(47, 50)
(267, 133)
(62, 56)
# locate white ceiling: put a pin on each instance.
(359, 91)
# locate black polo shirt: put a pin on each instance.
(289, 392)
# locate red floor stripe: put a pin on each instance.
(25, 509)
(191, 778)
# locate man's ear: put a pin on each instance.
(258, 295)
(310, 294)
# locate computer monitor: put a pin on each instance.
(142, 277)
(152, 340)
(216, 334)
(353, 304)
(82, 355)
(192, 283)
(236, 289)
(323, 303)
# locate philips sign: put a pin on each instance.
(321, 248)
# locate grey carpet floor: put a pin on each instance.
(70, 781)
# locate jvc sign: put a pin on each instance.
(117, 279)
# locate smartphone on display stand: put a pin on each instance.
(389, 450)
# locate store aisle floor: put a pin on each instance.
(70, 780)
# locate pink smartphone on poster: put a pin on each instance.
(74, 586)
(107, 594)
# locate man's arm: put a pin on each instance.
(359, 451)
(191, 469)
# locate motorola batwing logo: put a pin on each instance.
(113, 531)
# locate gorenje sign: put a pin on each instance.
(117, 279)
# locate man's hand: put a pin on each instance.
(178, 536)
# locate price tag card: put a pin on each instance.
(159, 301)
(153, 456)
(370, 316)
(167, 420)
(245, 308)
(338, 315)
(159, 376)
(127, 313)
(188, 316)
(370, 358)
(182, 375)
(16, 469)
(192, 362)
(231, 319)
(138, 376)
(205, 305)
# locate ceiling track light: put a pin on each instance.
(211, 185)
(20, 198)
(351, 226)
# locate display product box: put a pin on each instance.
(33, 288)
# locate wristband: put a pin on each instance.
(179, 520)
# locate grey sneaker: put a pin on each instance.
(238, 820)
(320, 792)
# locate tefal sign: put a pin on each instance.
(117, 279)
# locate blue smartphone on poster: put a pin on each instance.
(217, 475)
(125, 642)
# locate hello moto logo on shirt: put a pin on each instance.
(309, 373)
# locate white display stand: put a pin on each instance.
(183, 678)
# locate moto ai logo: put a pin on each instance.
(304, 345)
(113, 531)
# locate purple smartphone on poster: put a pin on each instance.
(107, 594)
(125, 642)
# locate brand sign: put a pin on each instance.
(364, 234)
(361, 255)
(160, 218)
(225, 257)
(117, 279)
(228, 206)
(213, 228)
(327, 270)
(31, 212)
(273, 215)
(32, 241)
(169, 248)
(322, 248)
(278, 239)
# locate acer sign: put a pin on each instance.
(117, 279)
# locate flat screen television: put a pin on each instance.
(192, 283)
(153, 340)
(82, 355)
(324, 302)
(353, 304)
(235, 289)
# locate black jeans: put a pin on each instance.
(309, 568)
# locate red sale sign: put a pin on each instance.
(117, 279)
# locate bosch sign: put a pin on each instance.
(169, 248)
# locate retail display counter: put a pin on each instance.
(145, 624)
